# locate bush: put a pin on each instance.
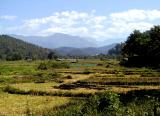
(108, 103)
(68, 77)
(53, 75)
(59, 65)
(42, 66)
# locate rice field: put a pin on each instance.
(25, 89)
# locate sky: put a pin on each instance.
(98, 19)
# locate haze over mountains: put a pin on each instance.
(84, 51)
(66, 44)
(59, 40)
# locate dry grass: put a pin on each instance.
(17, 105)
(35, 86)
(127, 89)
(75, 78)
(48, 87)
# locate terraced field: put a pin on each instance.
(26, 89)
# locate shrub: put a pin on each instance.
(59, 64)
(68, 77)
(107, 103)
(102, 104)
(42, 66)
(53, 76)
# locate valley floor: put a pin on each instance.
(27, 89)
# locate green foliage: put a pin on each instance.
(52, 55)
(42, 66)
(116, 50)
(97, 105)
(108, 103)
(135, 44)
(112, 104)
(72, 108)
(6, 79)
(141, 106)
(54, 64)
(145, 46)
(13, 56)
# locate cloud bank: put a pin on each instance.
(111, 26)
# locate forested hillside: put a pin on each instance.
(15, 49)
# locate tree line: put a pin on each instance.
(140, 48)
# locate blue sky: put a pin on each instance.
(99, 19)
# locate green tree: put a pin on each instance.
(116, 50)
(13, 56)
(143, 44)
(143, 48)
(154, 44)
(132, 45)
(52, 55)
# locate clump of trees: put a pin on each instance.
(116, 50)
(143, 48)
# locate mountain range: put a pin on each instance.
(66, 44)
(90, 51)
(59, 40)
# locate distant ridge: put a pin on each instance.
(84, 51)
(59, 40)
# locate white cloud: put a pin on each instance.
(136, 15)
(114, 25)
(7, 17)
